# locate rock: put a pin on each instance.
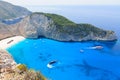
(9, 12)
(46, 25)
(50, 26)
(9, 70)
(6, 64)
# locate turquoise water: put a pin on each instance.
(73, 64)
(75, 60)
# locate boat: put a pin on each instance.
(97, 47)
(51, 64)
(9, 41)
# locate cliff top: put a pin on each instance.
(58, 19)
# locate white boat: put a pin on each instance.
(51, 63)
(97, 47)
(49, 66)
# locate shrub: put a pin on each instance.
(22, 67)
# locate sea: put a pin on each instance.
(74, 60)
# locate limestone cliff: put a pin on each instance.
(55, 27)
(4, 31)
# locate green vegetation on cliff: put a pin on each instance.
(58, 19)
(56, 27)
(88, 28)
(28, 74)
(21, 72)
(65, 25)
(60, 28)
(64, 22)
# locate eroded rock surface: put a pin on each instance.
(6, 64)
(55, 27)
(9, 70)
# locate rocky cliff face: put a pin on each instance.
(4, 31)
(10, 70)
(8, 11)
(50, 26)
(6, 64)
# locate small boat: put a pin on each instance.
(51, 63)
(97, 47)
(9, 41)
(49, 66)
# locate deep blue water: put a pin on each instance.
(92, 64)
(75, 60)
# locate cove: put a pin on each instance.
(75, 60)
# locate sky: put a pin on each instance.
(64, 2)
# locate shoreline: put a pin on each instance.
(8, 42)
(7, 63)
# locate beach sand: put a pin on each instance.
(8, 42)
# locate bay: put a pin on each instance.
(74, 60)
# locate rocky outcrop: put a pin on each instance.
(54, 27)
(46, 25)
(4, 31)
(6, 64)
(9, 70)
(8, 11)
(50, 26)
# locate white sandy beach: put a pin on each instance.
(8, 42)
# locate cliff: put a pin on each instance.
(4, 32)
(55, 27)
(9, 70)
(51, 26)
(39, 25)
(8, 11)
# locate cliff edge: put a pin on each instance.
(58, 28)
(10, 70)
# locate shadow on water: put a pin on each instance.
(89, 71)
(96, 73)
